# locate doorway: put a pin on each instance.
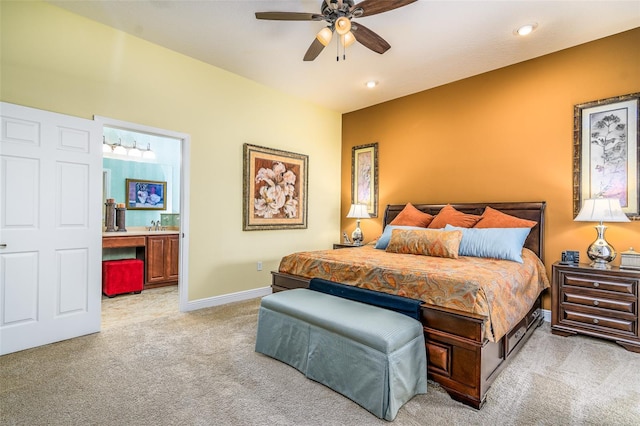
(168, 164)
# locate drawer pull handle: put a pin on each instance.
(596, 303)
(596, 320)
(596, 284)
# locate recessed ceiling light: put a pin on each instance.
(371, 84)
(525, 29)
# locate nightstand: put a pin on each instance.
(596, 302)
(345, 245)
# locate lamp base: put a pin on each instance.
(357, 236)
(600, 251)
(600, 264)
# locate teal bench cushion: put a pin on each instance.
(377, 328)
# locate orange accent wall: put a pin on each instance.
(506, 135)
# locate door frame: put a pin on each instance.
(185, 150)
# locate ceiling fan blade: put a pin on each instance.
(373, 7)
(289, 16)
(314, 50)
(369, 39)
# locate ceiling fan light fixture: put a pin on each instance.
(348, 39)
(343, 25)
(324, 36)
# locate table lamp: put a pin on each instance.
(601, 210)
(358, 211)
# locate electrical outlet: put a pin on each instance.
(259, 266)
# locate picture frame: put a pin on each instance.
(145, 194)
(364, 177)
(275, 186)
(606, 151)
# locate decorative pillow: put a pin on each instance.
(492, 218)
(495, 243)
(450, 216)
(428, 242)
(411, 216)
(383, 241)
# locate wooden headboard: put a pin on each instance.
(530, 211)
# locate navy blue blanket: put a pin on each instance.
(403, 305)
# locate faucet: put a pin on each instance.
(155, 225)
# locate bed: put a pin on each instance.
(473, 328)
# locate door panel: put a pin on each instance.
(72, 278)
(20, 180)
(50, 227)
(20, 298)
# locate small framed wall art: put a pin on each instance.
(275, 189)
(364, 177)
(146, 194)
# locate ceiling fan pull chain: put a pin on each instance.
(337, 49)
(344, 49)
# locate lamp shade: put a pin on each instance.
(601, 210)
(324, 36)
(358, 211)
(343, 25)
(348, 39)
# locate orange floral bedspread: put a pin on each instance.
(501, 290)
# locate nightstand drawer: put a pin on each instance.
(599, 302)
(602, 323)
(608, 283)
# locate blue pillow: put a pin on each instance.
(495, 243)
(383, 241)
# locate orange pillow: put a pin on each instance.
(411, 216)
(450, 216)
(492, 218)
(427, 242)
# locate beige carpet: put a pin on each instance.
(152, 365)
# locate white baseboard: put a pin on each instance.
(547, 315)
(227, 298)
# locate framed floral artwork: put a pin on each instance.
(275, 189)
(364, 177)
(606, 151)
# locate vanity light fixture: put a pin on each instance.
(119, 149)
(525, 29)
(134, 151)
(105, 146)
(148, 154)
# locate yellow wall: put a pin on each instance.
(57, 61)
(506, 135)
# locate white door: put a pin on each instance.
(50, 227)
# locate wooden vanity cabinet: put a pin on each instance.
(162, 260)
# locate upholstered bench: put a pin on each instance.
(374, 356)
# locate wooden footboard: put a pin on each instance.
(458, 358)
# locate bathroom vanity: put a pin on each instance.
(158, 249)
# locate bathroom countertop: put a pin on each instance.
(140, 230)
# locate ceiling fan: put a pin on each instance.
(338, 15)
